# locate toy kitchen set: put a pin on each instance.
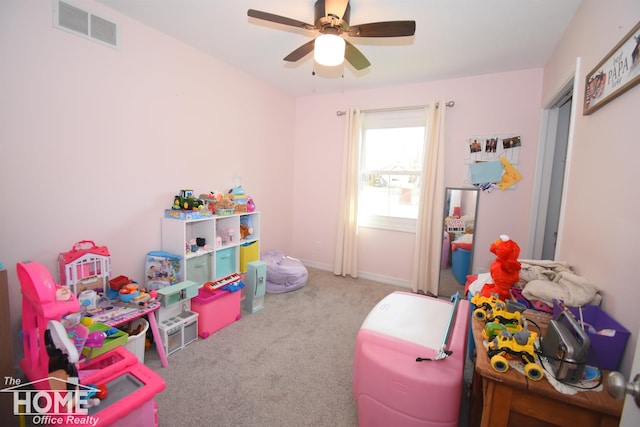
(177, 323)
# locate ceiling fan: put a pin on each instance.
(332, 19)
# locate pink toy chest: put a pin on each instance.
(215, 310)
(390, 386)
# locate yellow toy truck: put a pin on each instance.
(518, 346)
(484, 305)
(492, 309)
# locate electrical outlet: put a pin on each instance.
(317, 246)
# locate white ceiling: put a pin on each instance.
(454, 38)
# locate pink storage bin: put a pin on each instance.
(216, 310)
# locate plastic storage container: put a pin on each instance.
(199, 268)
(608, 337)
(461, 264)
(136, 343)
(225, 262)
(216, 310)
(248, 253)
(115, 340)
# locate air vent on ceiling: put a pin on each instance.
(71, 18)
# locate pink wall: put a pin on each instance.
(96, 141)
(601, 232)
(504, 103)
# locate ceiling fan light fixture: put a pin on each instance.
(332, 21)
(329, 50)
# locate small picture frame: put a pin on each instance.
(618, 72)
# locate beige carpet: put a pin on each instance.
(287, 365)
(449, 285)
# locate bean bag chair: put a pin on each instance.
(284, 274)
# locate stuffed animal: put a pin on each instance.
(245, 231)
(225, 203)
(246, 227)
(505, 270)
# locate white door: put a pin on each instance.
(630, 412)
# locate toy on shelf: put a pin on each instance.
(226, 235)
(225, 206)
(243, 202)
(185, 200)
(246, 227)
(85, 267)
(251, 206)
(211, 199)
(505, 270)
(239, 198)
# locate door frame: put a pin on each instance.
(545, 153)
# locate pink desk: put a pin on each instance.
(118, 314)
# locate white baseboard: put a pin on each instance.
(363, 275)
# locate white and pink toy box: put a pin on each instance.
(409, 361)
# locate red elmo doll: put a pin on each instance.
(505, 270)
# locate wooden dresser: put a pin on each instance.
(6, 355)
(510, 399)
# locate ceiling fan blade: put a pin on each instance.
(383, 29)
(336, 7)
(266, 16)
(301, 52)
(355, 57)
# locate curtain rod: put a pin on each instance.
(342, 113)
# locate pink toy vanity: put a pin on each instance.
(131, 385)
(409, 362)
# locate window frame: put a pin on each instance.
(389, 119)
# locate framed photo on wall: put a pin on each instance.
(618, 72)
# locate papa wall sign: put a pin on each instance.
(618, 72)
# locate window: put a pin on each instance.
(391, 152)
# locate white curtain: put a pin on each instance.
(346, 260)
(428, 247)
